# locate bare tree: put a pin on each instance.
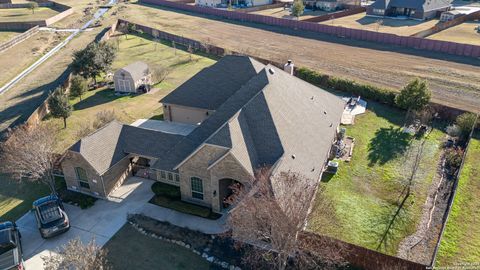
(28, 153)
(159, 73)
(76, 256)
(102, 118)
(378, 23)
(269, 214)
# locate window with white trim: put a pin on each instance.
(379, 11)
(197, 188)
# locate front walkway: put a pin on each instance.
(195, 223)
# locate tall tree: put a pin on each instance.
(271, 212)
(78, 86)
(93, 60)
(415, 96)
(77, 256)
(59, 105)
(297, 8)
(28, 154)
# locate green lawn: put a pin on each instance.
(365, 194)
(16, 198)
(129, 249)
(25, 14)
(130, 108)
(461, 239)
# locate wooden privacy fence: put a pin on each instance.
(342, 32)
(451, 199)
(18, 38)
(358, 256)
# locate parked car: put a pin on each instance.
(51, 217)
(11, 256)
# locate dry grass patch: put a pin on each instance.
(26, 53)
(7, 35)
(25, 14)
(462, 33)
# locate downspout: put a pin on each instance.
(103, 184)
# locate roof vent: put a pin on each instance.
(271, 70)
(293, 156)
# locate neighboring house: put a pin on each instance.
(258, 116)
(330, 5)
(133, 78)
(415, 9)
(235, 3)
(450, 15)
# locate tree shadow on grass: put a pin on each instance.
(23, 191)
(387, 144)
(99, 98)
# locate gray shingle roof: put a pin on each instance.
(137, 70)
(212, 86)
(101, 149)
(270, 118)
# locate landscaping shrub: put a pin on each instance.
(166, 190)
(371, 92)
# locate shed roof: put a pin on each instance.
(137, 70)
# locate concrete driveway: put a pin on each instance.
(100, 222)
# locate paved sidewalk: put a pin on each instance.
(204, 225)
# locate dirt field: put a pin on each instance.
(285, 13)
(25, 14)
(392, 26)
(26, 52)
(452, 83)
(7, 35)
(462, 33)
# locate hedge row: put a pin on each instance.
(364, 90)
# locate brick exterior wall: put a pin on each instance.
(183, 114)
(73, 160)
(197, 166)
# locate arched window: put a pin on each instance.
(82, 177)
(197, 188)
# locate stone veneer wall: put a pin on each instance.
(73, 160)
(197, 166)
